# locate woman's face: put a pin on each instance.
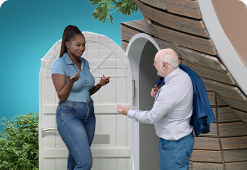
(76, 46)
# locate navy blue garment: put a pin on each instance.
(202, 112)
(160, 81)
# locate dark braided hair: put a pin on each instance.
(69, 33)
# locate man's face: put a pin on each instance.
(157, 65)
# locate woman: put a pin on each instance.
(74, 85)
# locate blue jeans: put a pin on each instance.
(175, 154)
(76, 126)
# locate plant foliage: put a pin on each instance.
(106, 7)
(19, 148)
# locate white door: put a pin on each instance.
(112, 144)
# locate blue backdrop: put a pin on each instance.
(28, 29)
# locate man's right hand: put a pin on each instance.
(154, 91)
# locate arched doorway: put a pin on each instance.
(141, 51)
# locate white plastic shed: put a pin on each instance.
(112, 145)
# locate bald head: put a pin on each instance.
(165, 61)
(168, 55)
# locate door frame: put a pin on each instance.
(134, 53)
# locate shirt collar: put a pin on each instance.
(171, 74)
(68, 60)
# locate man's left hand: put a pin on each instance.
(122, 109)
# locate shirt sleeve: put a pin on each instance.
(58, 68)
(165, 103)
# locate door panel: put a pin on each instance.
(112, 147)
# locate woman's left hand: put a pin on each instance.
(104, 81)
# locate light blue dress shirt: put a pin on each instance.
(172, 108)
(80, 90)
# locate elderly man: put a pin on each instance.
(171, 112)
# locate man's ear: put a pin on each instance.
(165, 65)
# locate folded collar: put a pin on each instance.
(173, 73)
(68, 60)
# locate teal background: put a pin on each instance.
(28, 29)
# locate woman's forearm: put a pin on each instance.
(94, 89)
(64, 93)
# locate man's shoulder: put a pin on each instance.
(180, 83)
(180, 77)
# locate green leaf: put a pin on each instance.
(111, 18)
(107, 7)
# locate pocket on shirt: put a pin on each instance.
(68, 110)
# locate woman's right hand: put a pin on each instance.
(74, 79)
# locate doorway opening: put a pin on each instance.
(141, 52)
(149, 156)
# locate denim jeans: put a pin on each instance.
(175, 154)
(76, 126)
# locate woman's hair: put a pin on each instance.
(69, 33)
